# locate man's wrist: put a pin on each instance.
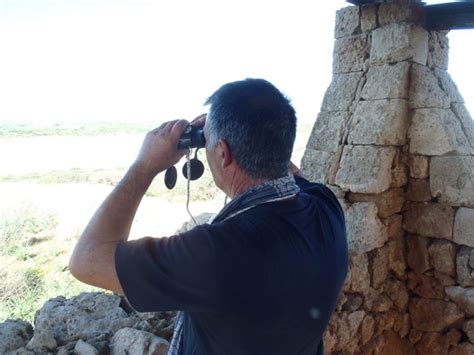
(139, 175)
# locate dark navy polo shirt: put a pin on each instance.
(263, 282)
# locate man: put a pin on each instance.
(264, 277)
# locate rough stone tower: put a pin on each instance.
(395, 143)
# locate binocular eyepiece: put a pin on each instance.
(192, 137)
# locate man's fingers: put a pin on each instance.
(178, 128)
(200, 120)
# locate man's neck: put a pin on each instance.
(241, 182)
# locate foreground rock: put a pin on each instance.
(90, 323)
(132, 341)
(14, 334)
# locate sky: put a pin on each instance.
(137, 60)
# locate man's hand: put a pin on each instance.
(158, 151)
(199, 121)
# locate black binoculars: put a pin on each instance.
(192, 137)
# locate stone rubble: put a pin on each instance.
(88, 324)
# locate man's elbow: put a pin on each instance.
(78, 268)
(95, 266)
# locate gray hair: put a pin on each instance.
(259, 124)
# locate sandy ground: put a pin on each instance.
(74, 204)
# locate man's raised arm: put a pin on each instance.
(93, 258)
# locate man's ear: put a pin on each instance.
(225, 153)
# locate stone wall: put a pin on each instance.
(395, 143)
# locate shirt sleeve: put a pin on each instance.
(176, 273)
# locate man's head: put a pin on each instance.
(257, 123)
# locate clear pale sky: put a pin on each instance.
(137, 60)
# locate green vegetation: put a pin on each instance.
(34, 265)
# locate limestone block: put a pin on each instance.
(378, 266)
(449, 86)
(389, 81)
(353, 302)
(418, 166)
(379, 122)
(367, 329)
(443, 256)
(133, 341)
(398, 293)
(337, 333)
(434, 315)
(394, 227)
(444, 279)
(405, 326)
(398, 42)
(389, 343)
(365, 169)
(429, 219)
(452, 179)
(415, 335)
(463, 270)
(399, 175)
(468, 328)
(436, 131)
(327, 131)
(418, 257)
(418, 190)
(466, 121)
(425, 90)
(396, 257)
(465, 348)
(425, 286)
(438, 44)
(464, 227)
(350, 54)
(453, 337)
(359, 270)
(433, 343)
(341, 92)
(380, 304)
(365, 231)
(463, 297)
(347, 21)
(368, 17)
(344, 332)
(334, 166)
(390, 13)
(315, 165)
(388, 203)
